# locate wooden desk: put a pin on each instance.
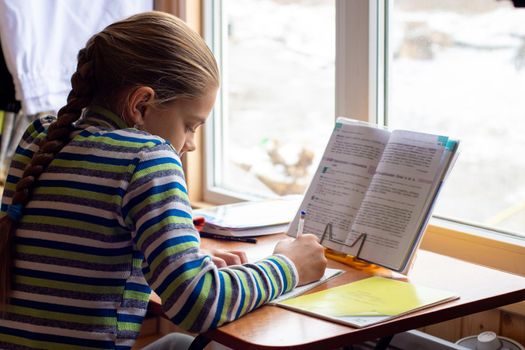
(272, 327)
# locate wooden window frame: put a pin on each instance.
(361, 97)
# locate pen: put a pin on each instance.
(300, 225)
(228, 238)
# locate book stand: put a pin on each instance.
(361, 237)
(353, 261)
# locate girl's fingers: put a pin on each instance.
(219, 262)
(234, 257)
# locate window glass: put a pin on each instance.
(458, 68)
(278, 94)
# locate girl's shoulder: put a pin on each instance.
(39, 125)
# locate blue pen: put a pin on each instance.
(300, 225)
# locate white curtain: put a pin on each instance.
(41, 39)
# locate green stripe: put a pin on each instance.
(260, 283)
(21, 158)
(84, 164)
(160, 225)
(2, 114)
(74, 256)
(9, 186)
(169, 251)
(84, 194)
(69, 223)
(135, 295)
(104, 140)
(67, 286)
(227, 297)
(273, 282)
(196, 309)
(154, 169)
(186, 275)
(175, 192)
(137, 263)
(287, 272)
(129, 326)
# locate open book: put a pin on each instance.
(368, 301)
(376, 188)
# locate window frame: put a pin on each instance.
(360, 26)
(214, 133)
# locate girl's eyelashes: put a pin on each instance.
(191, 129)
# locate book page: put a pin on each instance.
(341, 180)
(398, 197)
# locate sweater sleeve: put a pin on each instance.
(35, 132)
(195, 294)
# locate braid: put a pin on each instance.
(58, 136)
(152, 49)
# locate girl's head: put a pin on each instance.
(146, 67)
(153, 71)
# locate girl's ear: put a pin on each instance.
(136, 105)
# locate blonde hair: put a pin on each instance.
(152, 49)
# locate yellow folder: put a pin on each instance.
(368, 301)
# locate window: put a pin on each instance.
(277, 98)
(458, 68)
(454, 68)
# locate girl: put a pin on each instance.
(95, 207)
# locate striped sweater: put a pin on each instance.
(109, 220)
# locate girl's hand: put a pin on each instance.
(307, 255)
(223, 258)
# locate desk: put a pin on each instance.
(272, 327)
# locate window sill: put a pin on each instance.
(479, 246)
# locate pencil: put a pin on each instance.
(228, 238)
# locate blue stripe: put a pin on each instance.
(92, 159)
(62, 308)
(105, 252)
(24, 152)
(12, 179)
(39, 126)
(151, 192)
(138, 287)
(100, 344)
(157, 161)
(176, 273)
(220, 303)
(158, 218)
(74, 215)
(241, 304)
(189, 304)
(129, 318)
(283, 273)
(86, 281)
(82, 186)
(172, 242)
